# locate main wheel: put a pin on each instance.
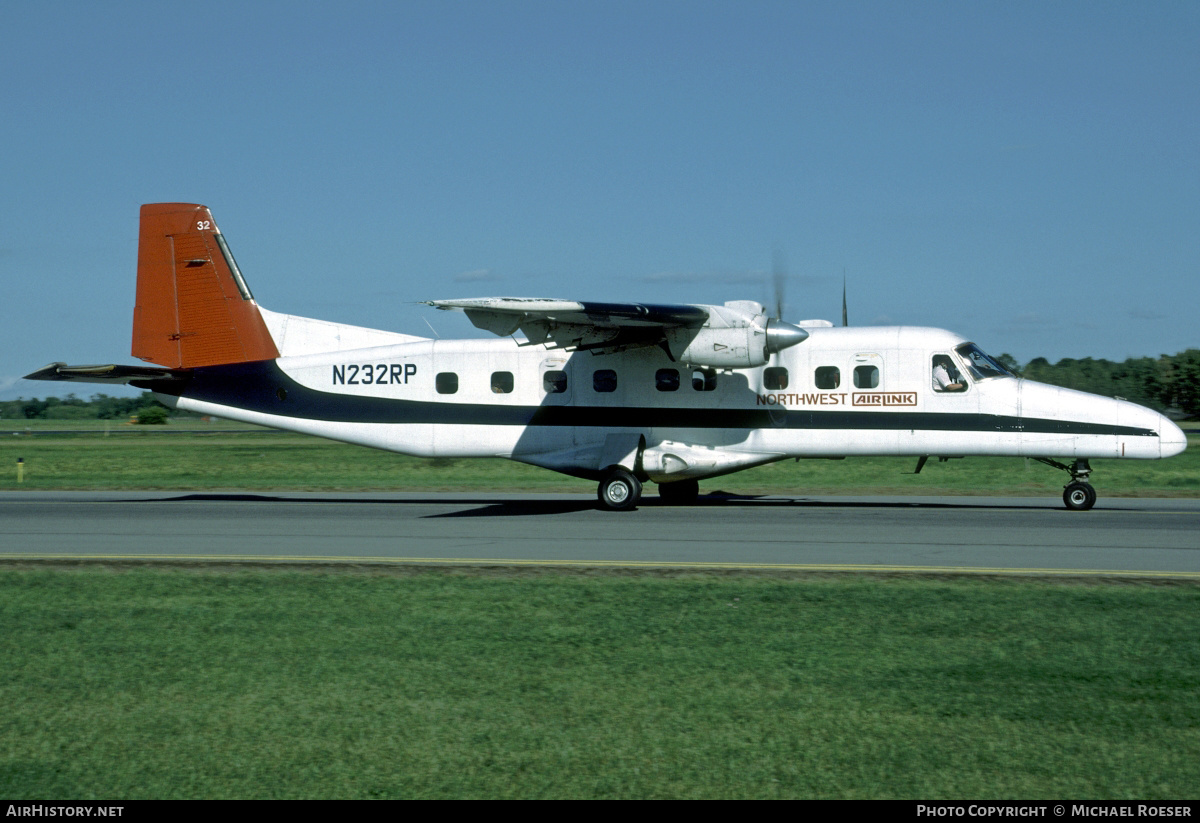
(619, 490)
(1079, 496)
(679, 492)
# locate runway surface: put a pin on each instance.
(1142, 537)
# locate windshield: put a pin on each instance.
(980, 365)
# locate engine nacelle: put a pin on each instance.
(733, 338)
(719, 348)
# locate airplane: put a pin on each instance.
(619, 393)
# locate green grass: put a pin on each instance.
(123, 426)
(211, 456)
(434, 683)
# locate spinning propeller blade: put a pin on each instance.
(779, 276)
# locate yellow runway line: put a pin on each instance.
(608, 564)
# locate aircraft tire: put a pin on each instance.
(679, 492)
(619, 490)
(1079, 496)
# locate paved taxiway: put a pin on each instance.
(973, 534)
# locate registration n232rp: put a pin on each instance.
(362, 374)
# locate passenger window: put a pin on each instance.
(502, 382)
(828, 377)
(946, 378)
(666, 380)
(704, 379)
(604, 380)
(554, 382)
(446, 382)
(775, 378)
(866, 377)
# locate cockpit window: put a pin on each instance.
(980, 365)
(945, 377)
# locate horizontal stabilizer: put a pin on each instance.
(105, 374)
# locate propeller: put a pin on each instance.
(780, 335)
(778, 276)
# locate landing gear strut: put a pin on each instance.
(1078, 494)
(619, 489)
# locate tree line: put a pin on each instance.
(99, 407)
(1168, 383)
(1165, 383)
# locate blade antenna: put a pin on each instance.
(844, 322)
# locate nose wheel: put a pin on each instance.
(1079, 496)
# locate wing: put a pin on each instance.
(569, 324)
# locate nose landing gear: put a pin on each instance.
(1078, 495)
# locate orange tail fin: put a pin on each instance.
(193, 307)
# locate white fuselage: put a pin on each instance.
(842, 392)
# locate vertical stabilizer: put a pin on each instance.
(193, 307)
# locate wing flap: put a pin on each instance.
(570, 324)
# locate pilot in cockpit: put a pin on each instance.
(945, 377)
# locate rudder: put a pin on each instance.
(193, 307)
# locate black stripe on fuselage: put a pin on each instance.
(263, 387)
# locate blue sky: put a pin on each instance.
(1025, 174)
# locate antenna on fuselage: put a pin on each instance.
(844, 321)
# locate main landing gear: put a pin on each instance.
(620, 490)
(1078, 494)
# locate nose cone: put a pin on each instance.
(1171, 439)
(780, 335)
